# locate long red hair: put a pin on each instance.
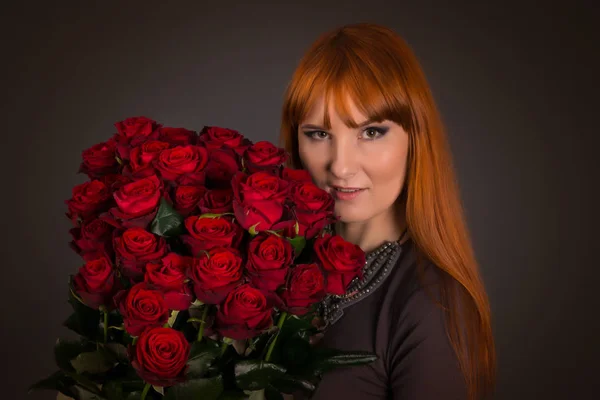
(374, 67)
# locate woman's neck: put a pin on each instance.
(370, 234)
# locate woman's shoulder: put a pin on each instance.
(421, 362)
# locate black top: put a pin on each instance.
(401, 323)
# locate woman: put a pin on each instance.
(359, 116)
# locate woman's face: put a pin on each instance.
(363, 168)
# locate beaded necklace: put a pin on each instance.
(378, 265)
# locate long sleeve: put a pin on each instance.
(423, 364)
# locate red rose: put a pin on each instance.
(142, 158)
(264, 156)
(141, 308)
(216, 201)
(223, 164)
(269, 258)
(342, 261)
(136, 126)
(215, 138)
(100, 160)
(216, 273)
(132, 132)
(91, 237)
(244, 314)
(177, 136)
(89, 199)
(137, 202)
(313, 208)
(95, 283)
(115, 181)
(168, 275)
(135, 248)
(160, 356)
(258, 199)
(205, 233)
(183, 165)
(305, 287)
(186, 198)
(298, 175)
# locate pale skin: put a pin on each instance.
(372, 158)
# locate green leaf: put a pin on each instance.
(202, 355)
(298, 244)
(86, 383)
(58, 381)
(137, 395)
(67, 350)
(257, 395)
(329, 359)
(205, 389)
(256, 374)
(94, 362)
(272, 393)
(167, 221)
(113, 390)
(118, 351)
(290, 384)
(84, 321)
(231, 395)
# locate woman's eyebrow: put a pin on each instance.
(361, 125)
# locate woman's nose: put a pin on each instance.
(343, 160)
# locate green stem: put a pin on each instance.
(201, 329)
(224, 348)
(145, 391)
(282, 318)
(105, 326)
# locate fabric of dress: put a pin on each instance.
(402, 324)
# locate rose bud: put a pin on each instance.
(100, 160)
(136, 247)
(134, 131)
(168, 275)
(296, 175)
(269, 258)
(141, 159)
(215, 137)
(92, 236)
(258, 200)
(89, 199)
(313, 207)
(244, 314)
(141, 308)
(305, 287)
(137, 202)
(216, 201)
(342, 261)
(95, 283)
(205, 233)
(160, 356)
(183, 165)
(264, 156)
(215, 274)
(223, 164)
(186, 198)
(177, 136)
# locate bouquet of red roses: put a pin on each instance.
(203, 260)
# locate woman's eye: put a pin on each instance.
(316, 134)
(374, 133)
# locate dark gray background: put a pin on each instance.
(516, 83)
